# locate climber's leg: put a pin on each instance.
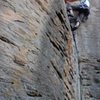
(76, 26)
(77, 23)
(72, 22)
(70, 10)
(80, 17)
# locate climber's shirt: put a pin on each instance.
(85, 3)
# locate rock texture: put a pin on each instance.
(88, 45)
(40, 59)
(36, 51)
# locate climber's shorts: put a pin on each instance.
(86, 11)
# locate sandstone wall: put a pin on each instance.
(88, 44)
(35, 51)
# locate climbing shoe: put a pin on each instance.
(73, 28)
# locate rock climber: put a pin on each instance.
(83, 10)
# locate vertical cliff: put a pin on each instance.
(36, 51)
(40, 59)
(88, 45)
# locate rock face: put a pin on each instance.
(36, 50)
(88, 44)
(40, 59)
